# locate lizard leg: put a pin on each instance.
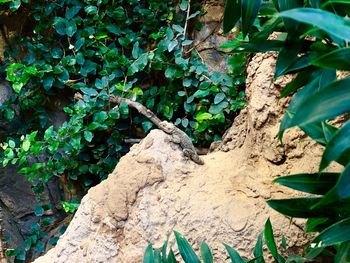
(188, 153)
(176, 139)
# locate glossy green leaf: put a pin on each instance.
(234, 255)
(337, 146)
(148, 256)
(300, 207)
(270, 241)
(206, 254)
(320, 132)
(329, 22)
(343, 253)
(314, 224)
(316, 183)
(328, 103)
(319, 81)
(286, 57)
(250, 9)
(260, 46)
(232, 14)
(185, 249)
(258, 249)
(337, 59)
(171, 257)
(157, 256)
(336, 233)
(164, 250)
(290, 25)
(301, 80)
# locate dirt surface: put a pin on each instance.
(155, 190)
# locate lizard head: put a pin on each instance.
(167, 126)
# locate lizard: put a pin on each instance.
(177, 135)
(180, 137)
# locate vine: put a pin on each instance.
(139, 50)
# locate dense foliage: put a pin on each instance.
(136, 49)
(313, 44)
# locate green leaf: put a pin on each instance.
(164, 249)
(71, 28)
(336, 233)
(313, 224)
(88, 136)
(90, 10)
(171, 257)
(337, 146)
(337, 59)
(157, 257)
(201, 93)
(219, 97)
(328, 103)
(316, 183)
(333, 24)
(301, 80)
(270, 241)
(340, 191)
(71, 12)
(26, 145)
(258, 249)
(234, 256)
(38, 210)
(250, 9)
(232, 14)
(286, 57)
(27, 244)
(343, 253)
(215, 109)
(89, 91)
(148, 256)
(300, 207)
(100, 116)
(185, 249)
(206, 253)
(290, 25)
(201, 116)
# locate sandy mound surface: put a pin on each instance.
(155, 190)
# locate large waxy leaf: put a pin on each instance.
(290, 25)
(148, 257)
(301, 80)
(339, 194)
(320, 132)
(337, 146)
(316, 224)
(337, 59)
(343, 253)
(232, 14)
(258, 249)
(317, 183)
(286, 57)
(339, 232)
(206, 254)
(320, 79)
(185, 249)
(234, 256)
(328, 103)
(261, 46)
(270, 241)
(333, 24)
(250, 9)
(301, 207)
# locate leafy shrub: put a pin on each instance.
(130, 48)
(313, 44)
